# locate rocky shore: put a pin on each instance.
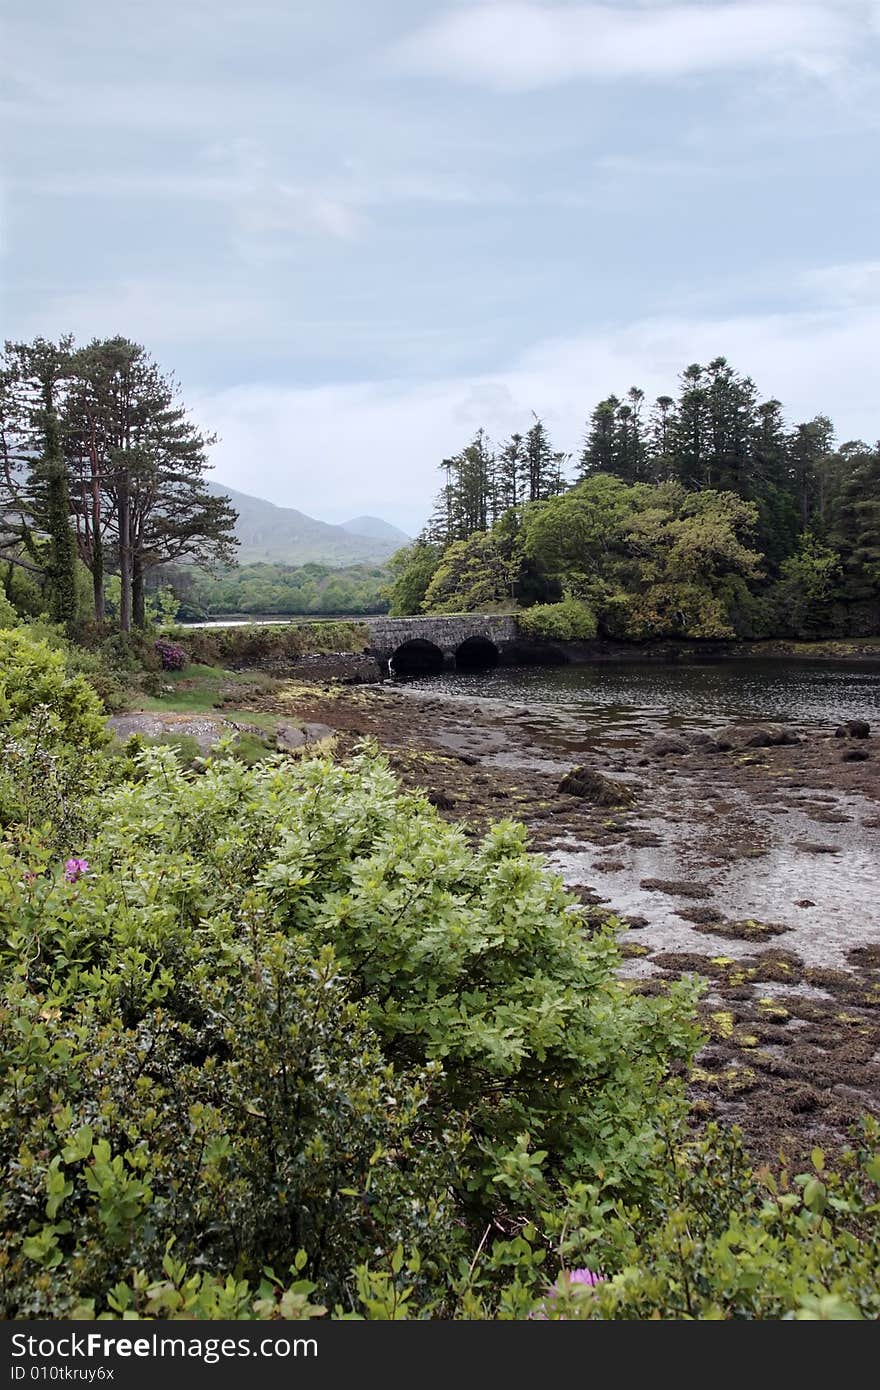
(749, 856)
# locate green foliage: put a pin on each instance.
(685, 514)
(474, 575)
(412, 570)
(283, 589)
(651, 561)
(8, 615)
(288, 1010)
(805, 589)
(716, 1239)
(35, 679)
(266, 644)
(571, 620)
(51, 735)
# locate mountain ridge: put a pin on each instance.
(283, 535)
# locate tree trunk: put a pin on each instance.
(124, 510)
(62, 553)
(97, 542)
(98, 580)
(139, 606)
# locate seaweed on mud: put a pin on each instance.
(676, 887)
(644, 839)
(865, 957)
(784, 967)
(748, 930)
(700, 916)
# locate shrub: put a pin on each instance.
(51, 733)
(270, 644)
(172, 657)
(8, 615)
(288, 1009)
(711, 1238)
(571, 620)
(34, 678)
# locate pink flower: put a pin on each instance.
(567, 1278)
(75, 868)
(585, 1276)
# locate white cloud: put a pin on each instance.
(519, 44)
(339, 450)
(856, 282)
(159, 312)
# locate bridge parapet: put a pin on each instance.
(446, 631)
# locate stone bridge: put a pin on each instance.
(469, 641)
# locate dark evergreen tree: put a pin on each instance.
(808, 446)
(35, 497)
(599, 453)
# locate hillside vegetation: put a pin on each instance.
(706, 516)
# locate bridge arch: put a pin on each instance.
(476, 653)
(417, 657)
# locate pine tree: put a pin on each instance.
(808, 444)
(598, 454)
(689, 430)
(35, 379)
(660, 461)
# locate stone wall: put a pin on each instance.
(445, 632)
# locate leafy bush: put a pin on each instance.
(8, 615)
(265, 644)
(51, 736)
(287, 1009)
(572, 620)
(172, 656)
(34, 678)
(711, 1238)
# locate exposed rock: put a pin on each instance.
(754, 736)
(682, 888)
(441, 801)
(592, 786)
(855, 755)
(853, 728)
(664, 744)
(289, 737)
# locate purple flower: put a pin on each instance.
(585, 1276)
(567, 1278)
(75, 868)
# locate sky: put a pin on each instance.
(355, 232)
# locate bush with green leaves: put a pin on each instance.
(34, 677)
(51, 733)
(710, 1238)
(288, 1009)
(264, 643)
(571, 620)
(277, 1040)
(8, 615)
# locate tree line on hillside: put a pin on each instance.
(274, 588)
(101, 472)
(703, 515)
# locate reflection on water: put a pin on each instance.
(803, 692)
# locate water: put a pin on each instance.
(625, 693)
(545, 711)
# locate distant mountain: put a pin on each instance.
(284, 536)
(377, 530)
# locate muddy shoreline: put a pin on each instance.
(792, 1008)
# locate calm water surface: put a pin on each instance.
(622, 698)
(802, 692)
